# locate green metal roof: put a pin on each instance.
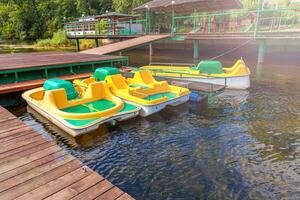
(114, 14)
(187, 6)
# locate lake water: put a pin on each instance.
(243, 145)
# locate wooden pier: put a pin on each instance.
(32, 167)
(23, 71)
(125, 45)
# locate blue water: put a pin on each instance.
(243, 145)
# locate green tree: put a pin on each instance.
(126, 6)
(37, 19)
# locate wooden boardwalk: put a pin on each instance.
(47, 59)
(22, 71)
(31, 167)
(126, 44)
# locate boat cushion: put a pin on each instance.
(210, 67)
(101, 73)
(54, 84)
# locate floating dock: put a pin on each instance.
(23, 71)
(32, 167)
(200, 87)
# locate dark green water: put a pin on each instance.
(245, 145)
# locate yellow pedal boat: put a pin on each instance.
(142, 90)
(74, 111)
(235, 77)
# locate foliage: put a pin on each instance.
(87, 44)
(39, 19)
(101, 27)
(126, 6)
(59, 39)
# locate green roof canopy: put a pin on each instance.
(115, 15)
(188, 6)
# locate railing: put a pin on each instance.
(249, 21)
(107, 28)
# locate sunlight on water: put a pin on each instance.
(245, 145)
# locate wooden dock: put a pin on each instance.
(47, 59)
(23, 71)
(126, 44)
(32, 167)
(197, 86)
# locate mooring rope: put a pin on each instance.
(231, 50)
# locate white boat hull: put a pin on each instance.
(235, 82)
(75, 131)
(148, 110)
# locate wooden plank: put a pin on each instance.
(31, 184)
(125, 197)
(14, 133)
(19, 144)
(30, 134)
(126, 44)
(26, 152)
(76, 188)
(10, 123)
(111, 194)
(31, 165)
(56, 185)
(8, 129)
(22, 148)
(6, 166)
(94, 191)
(6, 118)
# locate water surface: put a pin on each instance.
(244, 145)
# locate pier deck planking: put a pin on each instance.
(32, 167)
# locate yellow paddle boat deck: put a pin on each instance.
(75, 111)
(142, 90)
(235, 77)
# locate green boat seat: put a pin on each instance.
(101, 73)
(138, 85)
(54, 84)
(210, 67)
(94, 106)
(101, 105)
(83, 122)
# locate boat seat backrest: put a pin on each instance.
(144, 76)
(57, 98)
(97, 90)
(117, 82)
